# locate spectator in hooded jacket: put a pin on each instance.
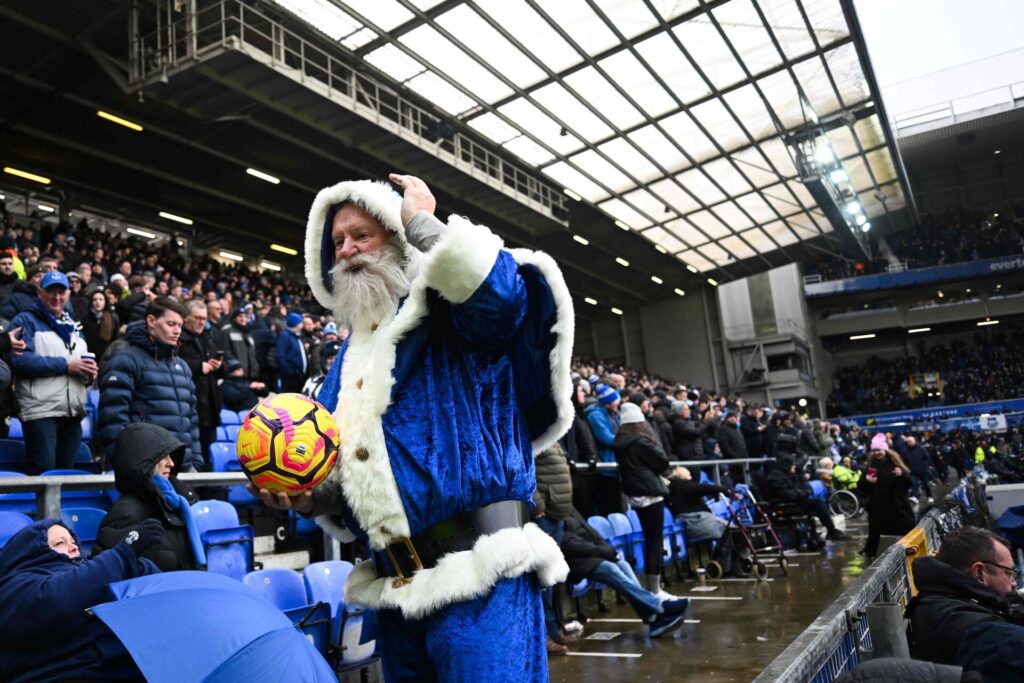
(51, 377)
(238, 391)
(46, 587)
(962, 614)
(590, 557)
(147, 382)
(100, 324)
(642, 468)
(143, 453)
(291, 355)
(240, 343)
(785, 485)
(603, 419)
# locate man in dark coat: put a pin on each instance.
(204, 358)
(920, 464)
(785, 485)
(24, 294)
(590, 557)
(8, 278)
(145, 451)
(753, 431)
(241, 345)
(238, 391)
(291, 355)
(124, 307)
(45, 589)
(961, 614)
(687, 435)
(147, 382)
(730, 440)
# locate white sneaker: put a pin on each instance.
(912, 499)
(665, 595)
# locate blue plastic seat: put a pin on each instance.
(12, 455)
(675, 537)
(84, 461)
(85, 498)
(85, 522)
(623, 534)
(15, 431)
(229, 546)
(636, 540)
(92, 398)
(87, 428)
(818, 489)
(352, 629)
(228, 433)
(224, 458)
(24, 503)
(282, 588)
(704, 478)
(241, 416)
(229, 417)
(10, 524)
(214, 514)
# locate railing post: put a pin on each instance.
(718, 476)
(50, 502)
(888, 632)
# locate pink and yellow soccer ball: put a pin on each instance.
(287, 444)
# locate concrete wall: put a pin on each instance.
(675, 337)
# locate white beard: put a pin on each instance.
(367, 287)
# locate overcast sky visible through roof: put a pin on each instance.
(910, 38)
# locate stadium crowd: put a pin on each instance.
(953, 236)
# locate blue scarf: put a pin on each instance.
(64, 326)
(181, 506)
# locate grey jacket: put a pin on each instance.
(553, 496)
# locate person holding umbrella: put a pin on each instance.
(46, 586)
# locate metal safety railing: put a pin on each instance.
(48, 489)
(193, 35)
(839, 637)
(716, 473)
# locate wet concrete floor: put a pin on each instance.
(734, 630)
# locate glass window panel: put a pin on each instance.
(805, 225)
(802, 193)
(649, 204)
(845, 67)
(881, 164)
(697, 182)
(627, 156)
(827, 20)
(728, 178)
(602, 170)
(869, 131)
(631, 18)
(665, 239)
(577, 182)
(756, 207)
(759, 240)
(709, 224)
(670, 9)
(323, 15)
(686, 232)
(709, 51)
(492, 47)
(664, 56)
(858, 173)
(493, 127)
(532, 32)
(780, 198)
(788, 26)
(683, 130)
(651, 140)
(528, 150)
(755, 166)
(670, 191)
(720, 124)
(385, 14)
(779, 154)
(581, 23)
(696, 259)
(440, 93)
(715, 254)
(540, 126)
(571, 111)
(596, 89)
(394, 63)
(635, 79)
(426, 4)
(749, 108)
(456, 64)
(843, 142)
(732, 215)
(816, 86)
(361, 37)
(782, 95)
(781, 234)
(616, 208)
(746, 32)
(737, 247)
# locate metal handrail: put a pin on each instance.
(48, 504)
(745, 462)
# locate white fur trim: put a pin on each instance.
(464, 575)
(377, 199)
(560, 358)
(338, 532)
(461, 260)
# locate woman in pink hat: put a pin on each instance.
(886, 486)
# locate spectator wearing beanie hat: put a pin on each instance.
(886, 484)
(642, 468)
(603, 419)
(291, 355)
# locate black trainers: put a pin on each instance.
(837, 535)
(675, 607)
(664, 623)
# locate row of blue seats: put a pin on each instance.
(17, 431)
(14, 457)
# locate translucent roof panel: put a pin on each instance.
(671, 117)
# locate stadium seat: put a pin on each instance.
(12, 454)
(214, 514)
(230, 547)
(10, 524)
(84, 461)
(15, 431)
(300, 527)
(818, 489)
(80, 499)
(24, 503)
(636, 540)
(229, 417)
(228, 433)
(352, 628)
(87, 428)
(623, 534)
(241, 416)
(85, 522)
(676, 538)
(223, 458)
(282, 588)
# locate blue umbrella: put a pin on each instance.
(208, 634)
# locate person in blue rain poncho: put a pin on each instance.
(46, 587)
(455, 373)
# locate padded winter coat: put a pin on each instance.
(553, 496)
(641, 465)
(139, 448)
(42, 383)
(583, 548)
(688, 437)
(147, 382)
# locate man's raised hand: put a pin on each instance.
(416, 196)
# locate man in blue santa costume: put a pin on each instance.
(455, 373)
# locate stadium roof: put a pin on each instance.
(670, 116)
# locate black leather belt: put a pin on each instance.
(403, 558)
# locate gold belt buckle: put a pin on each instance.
(402, 579)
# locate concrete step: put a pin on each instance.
(264, 545)
(294, 560)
